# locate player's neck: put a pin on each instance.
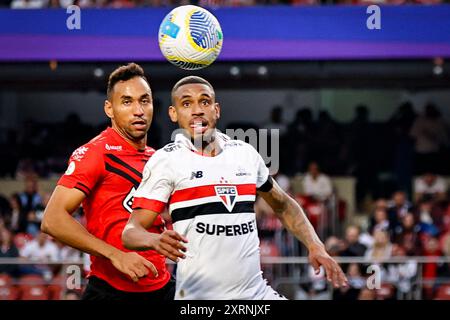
(208, 148)
(138, 144)
(211, 149)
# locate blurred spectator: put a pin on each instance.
(276, 120)
(381, 203)
(4, 207)
(316, 184)
(16, 218)
(268, 224)
(29, 4)
(401, 123)
(407, 236)
(430, 270)
(430, 133)
(334, 246)
(326, 146)
(352, 246)
(299, 137)
(398, 207)
(402, 274)
(42, 250)
(30, 199)
(318, 286)
(356, 282)
(66, 253)
(382, 247)
(379, 220)
(283, 181)
(361, 142)
(430, 217)
(431, 186)
(8, 250)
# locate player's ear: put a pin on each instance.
(173, 114)
(108, 109)
(217, 108)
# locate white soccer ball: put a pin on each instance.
(190, 37)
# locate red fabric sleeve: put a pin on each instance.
(153, 205)
(86, 166)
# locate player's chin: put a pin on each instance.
(139, 134)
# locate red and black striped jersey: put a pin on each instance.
(108, 170)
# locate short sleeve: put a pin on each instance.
(85, 168)
(156, 186)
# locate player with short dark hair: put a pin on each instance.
(102, 176)
(210, 183)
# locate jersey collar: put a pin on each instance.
(183, 139)
(118, 140)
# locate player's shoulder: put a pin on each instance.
(99, 142)
(95, 147)
(171, 149)
(167, 152)
(239, 146)
(149, 151)
(227, 142)
(231, 143)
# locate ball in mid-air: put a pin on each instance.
(190, 37)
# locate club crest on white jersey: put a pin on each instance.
(228, 196)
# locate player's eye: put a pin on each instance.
(126, 102)
(205, 102)
(186, 104)
(145, 101)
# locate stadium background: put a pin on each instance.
(370, 107)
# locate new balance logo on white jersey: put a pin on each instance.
(196, 174)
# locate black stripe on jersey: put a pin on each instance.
(124, 164)
(266, 186)
(82, 188)
(210, 208)
(121, 173)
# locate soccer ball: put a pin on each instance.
(190, 37)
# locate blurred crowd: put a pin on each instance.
(382, 156)
(400, 167)
(36, 4)
(397, 227)
(39, 254)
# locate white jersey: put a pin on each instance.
(210, 200)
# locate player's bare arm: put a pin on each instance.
(59, 223)
(136, 237)
(295, 221)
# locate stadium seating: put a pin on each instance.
(5, 280)
(33, 287)
(7, 290)
(443, 292)
(56, 288)
(386, 292)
